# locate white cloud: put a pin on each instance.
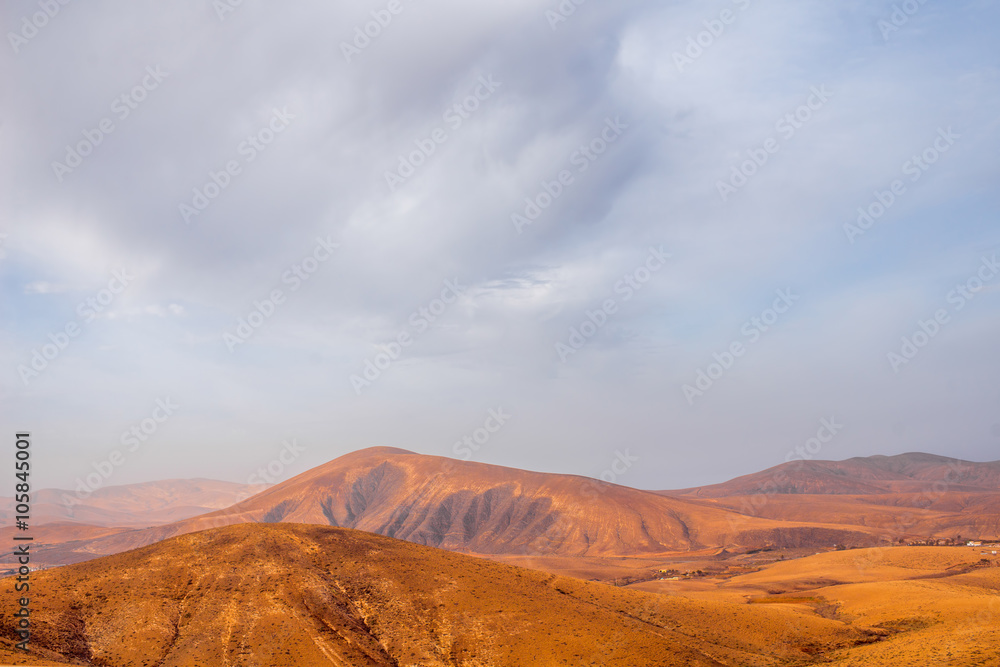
(451, 219)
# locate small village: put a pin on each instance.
(989, 547)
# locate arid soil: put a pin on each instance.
(308, 595)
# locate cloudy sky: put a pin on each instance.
(681, 234)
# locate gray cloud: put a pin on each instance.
(324, 176)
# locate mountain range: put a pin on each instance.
(387, 557)
(492, 510)
(131, 505)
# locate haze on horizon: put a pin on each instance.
(648, 234)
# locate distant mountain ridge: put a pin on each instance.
(910, 496)
(132, 505)
(912, 472)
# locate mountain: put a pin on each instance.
(132, 505)
(904, 473)
(909, 496)
(310, 595)
(484, 509)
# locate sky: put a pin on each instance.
(697, 239)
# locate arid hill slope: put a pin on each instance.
(936, 605)
(309, 595)
(904, 473)
(909, 496)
